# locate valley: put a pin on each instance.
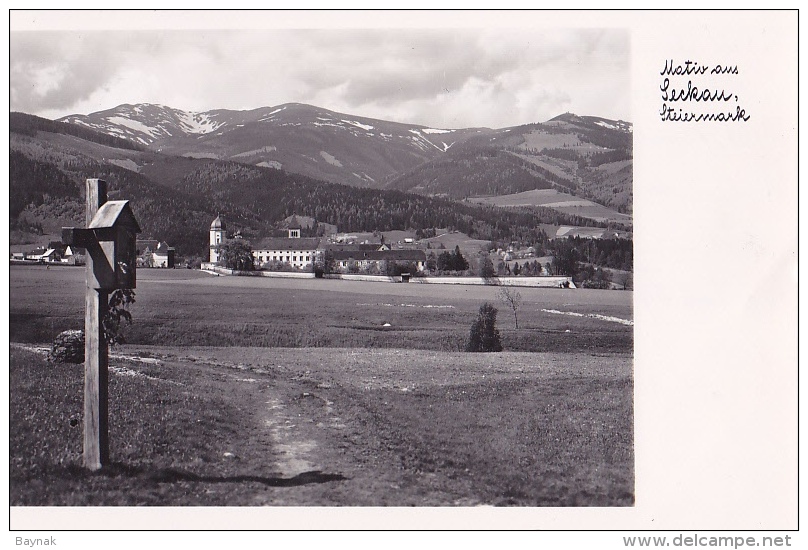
(522, 185)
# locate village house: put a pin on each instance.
(377, 259)
(74, 255)
(163, 256)
(154, 253)
(44, 255)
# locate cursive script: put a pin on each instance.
(705, 86)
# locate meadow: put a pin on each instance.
(563, 202)
(186, 307)
(250, 392)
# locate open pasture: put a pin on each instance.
(540, 140)
(186, 307)
(446, 240)
(243, 391)
(329, 427)
(563, 202)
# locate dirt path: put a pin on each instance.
(320, 456)
(294, 436)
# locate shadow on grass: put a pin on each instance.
(172, 475)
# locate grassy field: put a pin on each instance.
(250, 392)
(185, 307)
(254, 426)
(448, 240)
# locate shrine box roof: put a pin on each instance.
(114, 213)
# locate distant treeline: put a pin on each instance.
(477, 172)
(50, 193)
(588, 159)
(29, 125)
(274, 195)
(570, 252)
(31, 182)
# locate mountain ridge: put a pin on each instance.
(175, 198)
(566, 151)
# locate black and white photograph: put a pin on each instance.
(349, 266)
(346, 268)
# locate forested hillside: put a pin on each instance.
(29, 125)
(175, 198)
(47, 185)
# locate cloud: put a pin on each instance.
(55, 71)
(445, 77)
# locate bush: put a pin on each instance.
(68, 347)
(484, 335)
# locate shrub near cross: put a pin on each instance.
(484, 335)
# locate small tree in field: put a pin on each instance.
(484, 335)
(487, 270)
(513, 299)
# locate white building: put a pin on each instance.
(217, 237)
(163, 256)
(298, 252)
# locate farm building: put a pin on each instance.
(363, 247)
(74, 255)
(370, 260)
(153, 253)
(163, 256)
(44, 255)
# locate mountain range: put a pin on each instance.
(587, 156)
(262, 165)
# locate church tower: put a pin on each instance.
(217, 229)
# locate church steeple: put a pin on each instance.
(217, 237)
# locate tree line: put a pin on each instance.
(569, 253)
(29, 125)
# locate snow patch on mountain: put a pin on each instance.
(330, 159)
(358, 124)
(320, 124)
(135, 125)
(607, 125)
(423, 142)
(197, 123)
(363, 177)
(434, 131)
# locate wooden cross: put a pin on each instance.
(110, 242)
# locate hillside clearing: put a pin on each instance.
(562, 202)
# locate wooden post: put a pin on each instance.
(96, 354)
(109, 236)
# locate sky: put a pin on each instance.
(442, 77)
